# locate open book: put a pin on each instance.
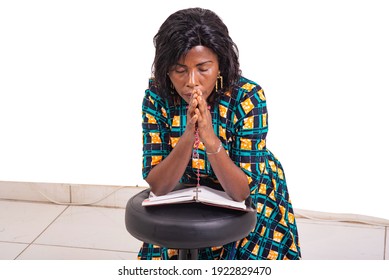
(200, 194)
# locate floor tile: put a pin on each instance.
(340, 241)
(44, 252)
(24, 221)
(9, 251)
(90, 227)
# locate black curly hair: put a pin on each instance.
(186, 29)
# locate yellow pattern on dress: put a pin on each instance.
(247, 105)
(176, 121)
(155, 138)
(280, 174)
(272, 165)
(271, 195)
(274, 183)
(262, 188)
(222, 132)
(235, 119)
(151, 119)
(173, 141)
(246, 166)
(164, 112)
(291, 218)
(277, 236)
(262, 168)
(155, 160)
(272, 255)
(249, 179)
(268, 211)
(261, 145)
(264, 120)
(259, 207)
(245, 144)
(223, 111)
(261, 95)
(248, 123)
(249, 87)
(198, 163)
(255, 250)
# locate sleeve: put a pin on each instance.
(155, 131)
(250, 130)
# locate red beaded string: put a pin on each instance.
(195, 153)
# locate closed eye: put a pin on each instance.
(180, 69)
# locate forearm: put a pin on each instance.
(231, 177)
(164, 177)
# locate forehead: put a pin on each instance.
(198, 55)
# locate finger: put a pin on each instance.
(203, 105)
(193, 103)
(193, 96)
(203, 108)
(194, 119)
(193, 106)
(199, 115)
(197, 92)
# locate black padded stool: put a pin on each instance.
(187, 226)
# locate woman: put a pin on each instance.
(199, 101)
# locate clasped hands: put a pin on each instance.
(199, 114)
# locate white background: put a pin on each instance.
(73, 74)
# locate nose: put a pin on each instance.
(192, 79)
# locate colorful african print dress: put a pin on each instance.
(240, 120)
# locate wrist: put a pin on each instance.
(216, 149)
(188, 136)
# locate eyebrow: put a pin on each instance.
(198, 64)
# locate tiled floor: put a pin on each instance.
(43, 231)
(31, 230)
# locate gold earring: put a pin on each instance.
(219, 81)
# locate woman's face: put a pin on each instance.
(197, 70)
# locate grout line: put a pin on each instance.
(56, 218)
(26, 201)
(13, 242)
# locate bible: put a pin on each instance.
(201, 194)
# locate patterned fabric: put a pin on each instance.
(240, 120)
